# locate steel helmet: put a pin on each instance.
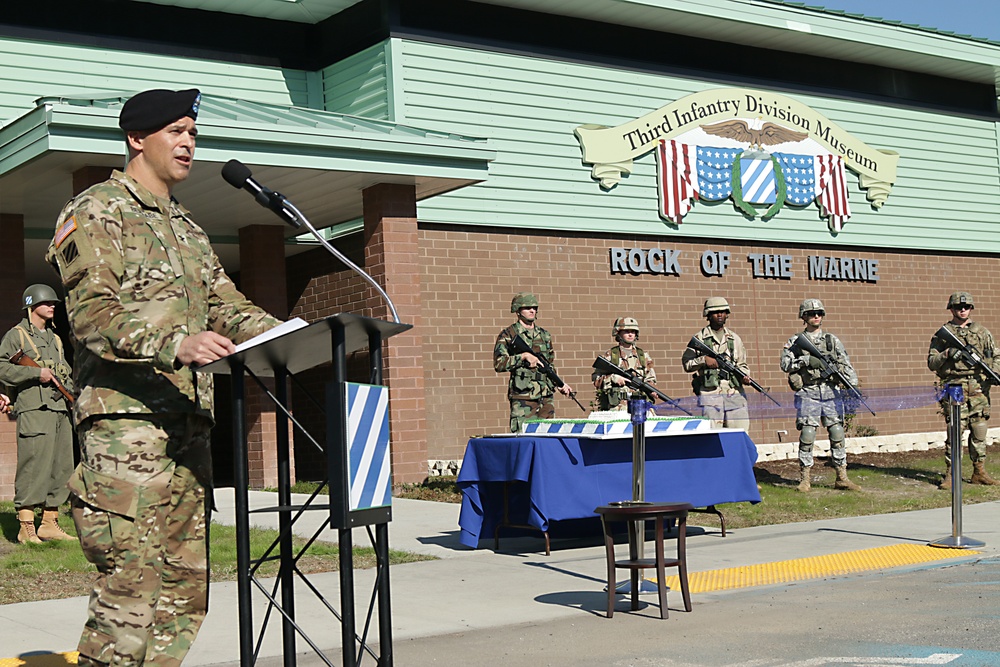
(523, 300)
(36, 294)
(625, 324)
(960, 299)
(811, 304)
(713, 305)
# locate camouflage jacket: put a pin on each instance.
(713, 380)
(794, 361)
(45, 349)
(951, 369)
(140, 276)
(611, 396)
(525, 383)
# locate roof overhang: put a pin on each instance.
(319, 160)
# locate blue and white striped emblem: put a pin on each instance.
(368, 446)
(757, 180)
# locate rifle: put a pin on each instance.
(518, 345)
(970, 353)
(831, 369)
(605, 367)
(726, 364)
(21, 359)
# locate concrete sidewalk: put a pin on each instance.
(472, 589)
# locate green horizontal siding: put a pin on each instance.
(30, 69)
(945, 196)
(358, 85)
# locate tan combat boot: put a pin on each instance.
(26, 516)
(980, 476)
(805, 473)
(843, 482)
(50, 529)
(945, 482)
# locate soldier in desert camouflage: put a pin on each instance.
(612, 390)
(529, 390)
(147, 301)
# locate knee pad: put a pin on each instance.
(837, 433)
(978, 430)
(808, 435)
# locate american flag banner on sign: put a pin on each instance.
(800, 178)
(715, 172)
(675, 162)
(832, 190)
(368, 446)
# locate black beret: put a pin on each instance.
(153, 109)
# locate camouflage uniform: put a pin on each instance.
(530, 391)
(955, 370)
(44, 432)
(721, 397)
(140, 277)
(613, 397)
(816, 401)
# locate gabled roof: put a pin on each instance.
(320, 160)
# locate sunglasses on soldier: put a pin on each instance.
(814, 313)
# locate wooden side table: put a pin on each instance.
(634, 513)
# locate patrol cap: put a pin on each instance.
(809, 305)
(714, 304)
(961, 299)
(523, 300)
(36, 294)
(152, 109)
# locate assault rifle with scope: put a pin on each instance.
(519, 345)
(830, 369)
(605, 367)
(726, 364)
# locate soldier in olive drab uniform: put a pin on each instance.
(148, 301)
(612, 391)
(44, 431)
(952, 368)
(720, 396)
(529, 390)
(817, 401)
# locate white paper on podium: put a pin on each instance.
(285, 327)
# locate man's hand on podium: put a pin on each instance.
(204, 348)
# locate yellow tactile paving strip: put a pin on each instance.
(44, 660)
(800, 569)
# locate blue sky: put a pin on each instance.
(980, 18)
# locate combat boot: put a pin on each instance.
(843, 482)
(945, 482)
(26, 517)
(805, 474)
(50, 529)
(980, 476)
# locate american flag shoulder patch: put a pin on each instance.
(65, 230)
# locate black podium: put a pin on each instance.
(359, 492)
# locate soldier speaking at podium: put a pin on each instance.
(147, 301)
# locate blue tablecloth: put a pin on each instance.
(566, 478)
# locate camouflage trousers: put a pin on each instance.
(522, 409)
(818, 405)
(725, 407)
(975, 415)
(140, 503)
(44, 458)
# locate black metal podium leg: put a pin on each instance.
(240, 493)
(284, 518)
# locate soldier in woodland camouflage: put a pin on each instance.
(529, 390)
(719, 395)
(147, 301)
(817, 401)
(44, 431)
(952, 368)
(612, 392)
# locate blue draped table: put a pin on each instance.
(566, 478)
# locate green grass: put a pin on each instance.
(58, 569)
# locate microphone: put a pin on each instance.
(239, 176)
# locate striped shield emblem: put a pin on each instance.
(368, 446)
(757, 180)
